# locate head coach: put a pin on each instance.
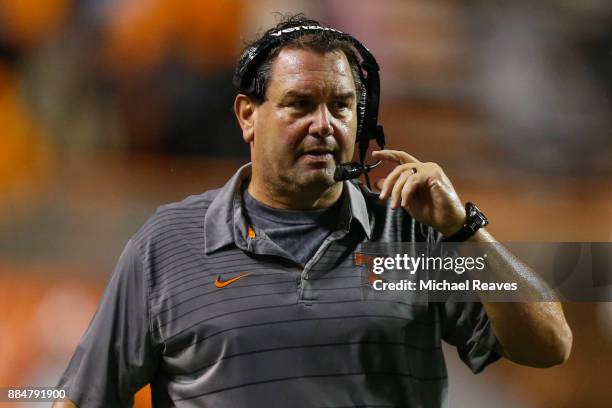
(248, 295)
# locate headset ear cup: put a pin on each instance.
(380, 136)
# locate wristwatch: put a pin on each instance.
(474, 220)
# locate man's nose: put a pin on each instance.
(321, 123)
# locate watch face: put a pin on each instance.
(477, 218)
(473, 222)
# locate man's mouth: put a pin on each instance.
(318, 155)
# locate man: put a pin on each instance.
(250, 296)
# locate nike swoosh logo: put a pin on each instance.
(223, 283)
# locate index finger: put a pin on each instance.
(397, 156)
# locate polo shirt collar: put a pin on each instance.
(225, 223)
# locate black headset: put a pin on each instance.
(369, 94)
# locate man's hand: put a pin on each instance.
(423, 190)
(427, 194)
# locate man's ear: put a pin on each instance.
(244, 109)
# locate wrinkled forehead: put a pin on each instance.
(311, 71)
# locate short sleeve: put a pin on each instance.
(114, 357)
(466, 326)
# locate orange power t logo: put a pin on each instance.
(220, 283)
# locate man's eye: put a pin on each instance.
(300, 104)
(340, 105)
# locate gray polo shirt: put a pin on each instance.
(211, 313)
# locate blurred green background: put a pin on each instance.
(111, 108)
